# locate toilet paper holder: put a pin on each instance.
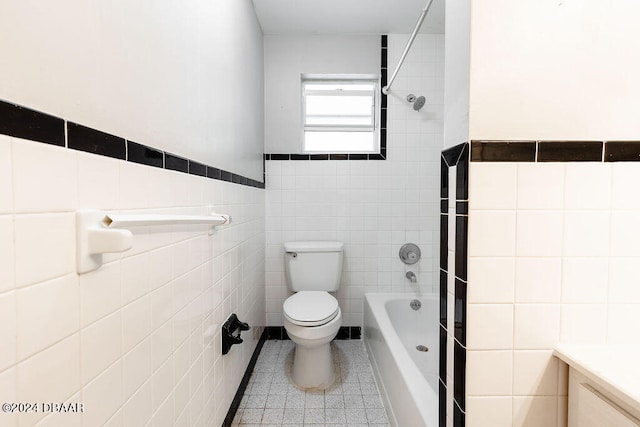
(231, 330)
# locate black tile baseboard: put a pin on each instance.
(344, 333)
(237, 398)
(21, 122)
(555, 151)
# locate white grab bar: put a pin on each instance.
(98, 233)
(133, 220)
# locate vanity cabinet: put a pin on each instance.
(591, 406)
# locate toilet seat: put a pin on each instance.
(310, 308)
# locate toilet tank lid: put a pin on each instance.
(314, 246)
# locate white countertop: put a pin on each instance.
(613, 368)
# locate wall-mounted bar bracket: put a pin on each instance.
(93, 240)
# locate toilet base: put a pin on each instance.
(313, 367)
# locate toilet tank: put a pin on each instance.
(313, 266)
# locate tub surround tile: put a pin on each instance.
(444, 179)
(442, 404)
(460, 312)
(444, 242)
(443, 355)
(443, 298)
(453, 263)
(458, 417)
(461, 247)
(29, 124)
(462, 174)
(459, 374)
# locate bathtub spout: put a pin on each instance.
(411, 276)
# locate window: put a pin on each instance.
(340, 113)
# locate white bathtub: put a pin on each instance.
(407, 378)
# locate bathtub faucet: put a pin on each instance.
(411, 276)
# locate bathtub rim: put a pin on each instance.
(419, 391)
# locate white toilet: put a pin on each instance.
(312, 316)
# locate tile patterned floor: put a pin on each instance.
(353, 400)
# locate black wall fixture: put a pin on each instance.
(231, 331)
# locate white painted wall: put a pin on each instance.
(555, 70)
(456, 66)
(185, 77)
(286, 58)
(373, 206)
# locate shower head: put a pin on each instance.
(418, 102)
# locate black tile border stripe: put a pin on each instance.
(555, 151)
(22, 122)
(93, 141)
(622, 151)
(237, 398)
(138, 153)
(382, 155)
(569, 151)
(458, 157)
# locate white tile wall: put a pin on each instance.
(372, 206)
(137, 341)
(571, 278)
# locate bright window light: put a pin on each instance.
(340, 114)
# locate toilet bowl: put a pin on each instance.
(312, 364)
(312, 316)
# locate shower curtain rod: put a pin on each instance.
(387, 88)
